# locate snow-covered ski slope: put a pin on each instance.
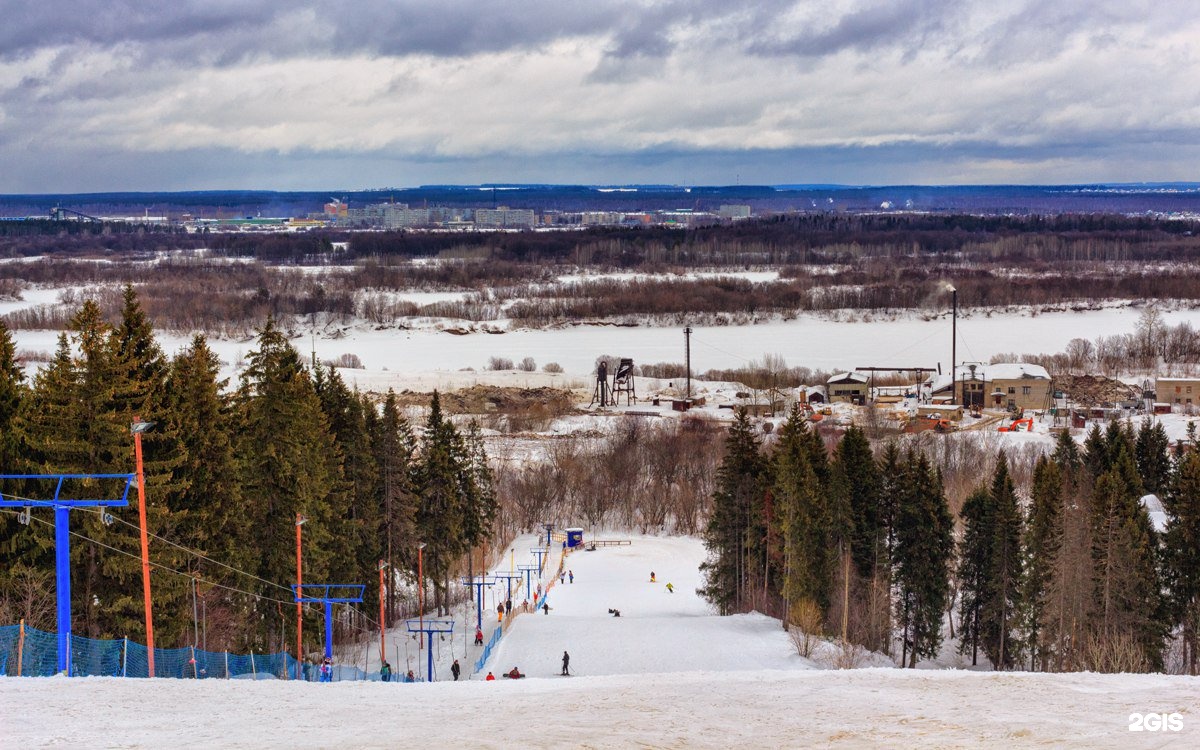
(667, 673)
(657, 631)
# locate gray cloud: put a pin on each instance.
(286, 92)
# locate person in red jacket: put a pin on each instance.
(490, 678)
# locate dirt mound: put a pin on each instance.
(1094, 390)
(490, 399)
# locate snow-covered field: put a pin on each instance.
(843, 340)
(667, 673)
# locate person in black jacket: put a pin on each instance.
(455, 670)
(566, 661)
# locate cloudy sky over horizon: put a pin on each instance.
(126, 95)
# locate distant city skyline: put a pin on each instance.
(114, 96)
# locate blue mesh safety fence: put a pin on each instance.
(487, 650)
(37, 656)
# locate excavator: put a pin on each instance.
(1018, 425)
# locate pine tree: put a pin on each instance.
(740, 487)
(1043, 535)
(923, 546)
(1181, 551)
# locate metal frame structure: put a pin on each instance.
(509, 576)
(541, 553)
(478, 582)
(62, 537)
(428, 628)
(328, 599)
(529, 569)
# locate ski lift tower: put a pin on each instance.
(623, 383)
(541, 553)
(478, 582)
(429, 627)
(63, 504)
(529, 569)
(328, 594)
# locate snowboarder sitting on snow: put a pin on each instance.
(385, 672)
(515, 674)
(652, 576)
(455, 670)
(615, 612)
(409, 677)
(490, 678)
(670, 588)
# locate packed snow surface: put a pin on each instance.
(667, 673)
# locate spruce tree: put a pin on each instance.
(924, 543)
(856, 463)
(1004, 574)
(394, 448)
(441, 484)
(1181, 552)
(1043, 535)
(1126, 595)
(1153, 457)
(740, 487)
(1096, 452)
(857, 487)
(207, 509)
(12, 392)
(974, 555)
(804, 519)
(289, 465)
(359, 546)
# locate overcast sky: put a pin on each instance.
(209, 94)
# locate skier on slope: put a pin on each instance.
(566, 662)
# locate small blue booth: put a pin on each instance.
(574, 538)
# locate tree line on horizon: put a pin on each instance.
(861, 545)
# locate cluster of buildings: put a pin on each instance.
(403, 216)
(1012, 386)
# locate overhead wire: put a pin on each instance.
(201, 555)
(160, 566)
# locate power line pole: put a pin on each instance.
(687, 353)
